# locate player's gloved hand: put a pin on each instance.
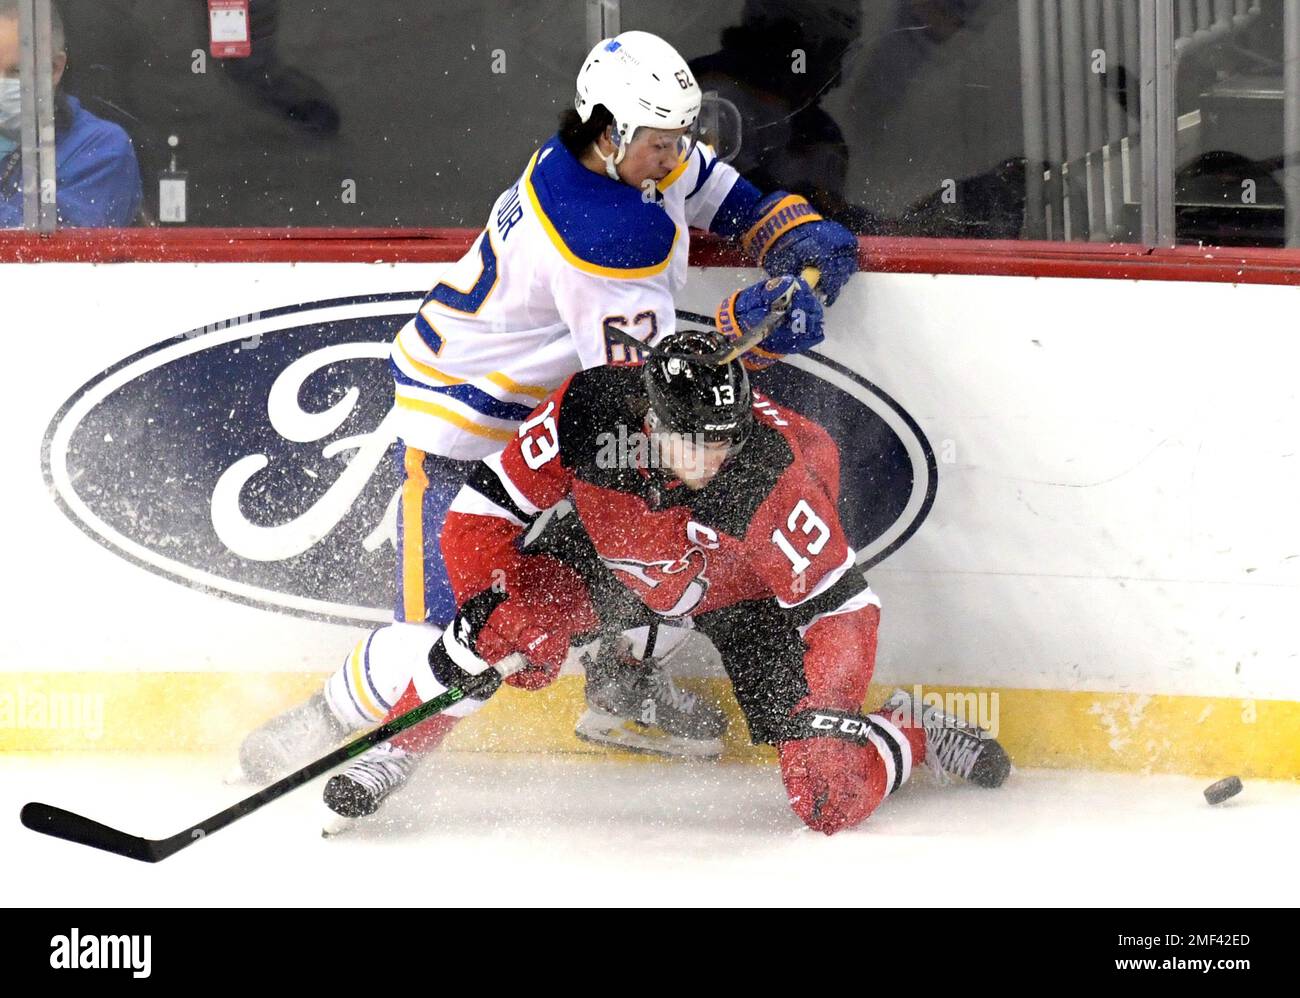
(455, 660)
(829, 782)
(800, 328)
(547, 605)
(789, 235)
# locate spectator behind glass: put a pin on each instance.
(98, 177)
(788, 141)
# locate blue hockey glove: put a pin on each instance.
(799, 327)
(789, 235)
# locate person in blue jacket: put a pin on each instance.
(98, 177)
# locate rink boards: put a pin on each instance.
(1076, 495)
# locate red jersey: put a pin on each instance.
(756, 558)
(765, 526)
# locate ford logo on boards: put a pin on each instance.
(255, 460)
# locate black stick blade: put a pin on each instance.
(63, 824)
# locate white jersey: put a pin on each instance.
(566, 252)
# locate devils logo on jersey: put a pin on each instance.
(670, 588)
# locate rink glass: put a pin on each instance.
(946, 118)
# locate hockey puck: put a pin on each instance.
(1217, 793)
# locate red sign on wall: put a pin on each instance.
(228, 24)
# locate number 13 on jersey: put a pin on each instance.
(809, 531)
(538, 448)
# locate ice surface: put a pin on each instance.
(476, 828)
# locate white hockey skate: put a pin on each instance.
(953, 748)
(288, 741)
(636, 706)
(359, 790)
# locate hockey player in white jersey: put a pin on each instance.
(592, 236)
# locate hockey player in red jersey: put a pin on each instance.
(693, 498)
(593, 237)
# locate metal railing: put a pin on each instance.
(1291, 118)
(1097, 78)
(36, 55)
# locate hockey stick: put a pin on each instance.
(50, 820)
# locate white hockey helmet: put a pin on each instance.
(644, 83)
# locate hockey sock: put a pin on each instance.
(429, 734)
(363, 692)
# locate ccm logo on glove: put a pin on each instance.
(848, 725)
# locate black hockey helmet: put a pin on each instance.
(691, 395)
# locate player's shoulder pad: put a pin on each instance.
(595, 402)
(800, 480)
(810, 474)
(599, 226)
(809, 440)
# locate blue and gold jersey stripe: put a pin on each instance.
(469, 395)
